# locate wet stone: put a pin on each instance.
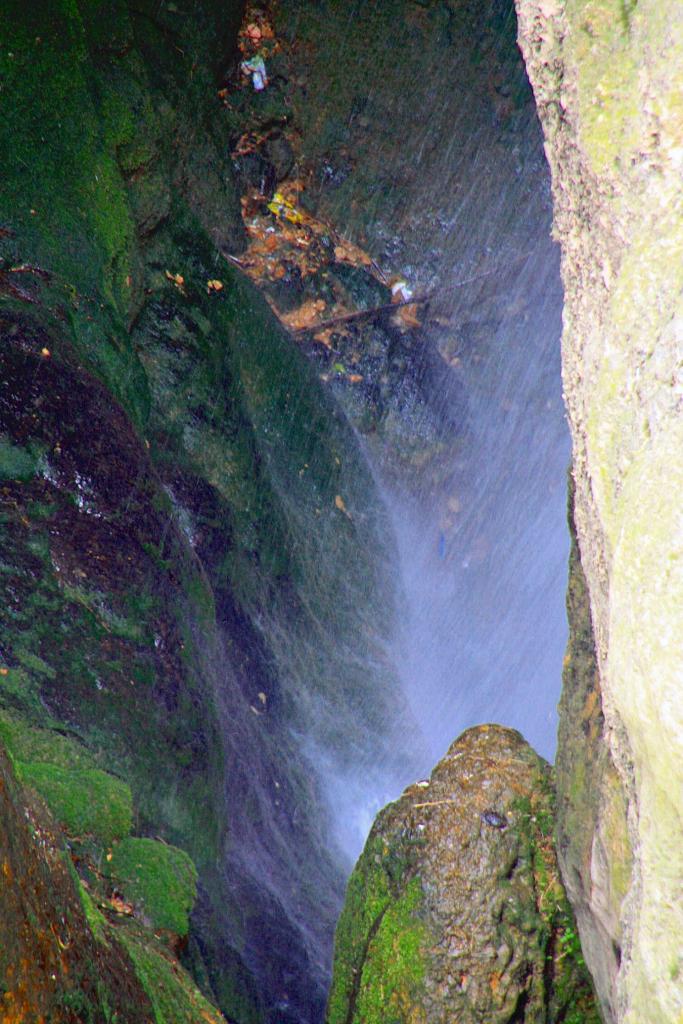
(456, 911)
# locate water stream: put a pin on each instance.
(478, 514)
(470, 463)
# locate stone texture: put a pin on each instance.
(455, 910)
(52, 967)
(591, 810)
(609, 88)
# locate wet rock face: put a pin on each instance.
(166, 604)
(51, 965)
(594, 850)
(455, 910)
(607, 78)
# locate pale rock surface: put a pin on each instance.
(608, 79)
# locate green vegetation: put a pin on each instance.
(160, 880)
(174, 996)
(16, 463)
(26, 743)
(380, 943)
(394, 966)
(571, 994)
(85, 801)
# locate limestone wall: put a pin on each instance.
(608, 79)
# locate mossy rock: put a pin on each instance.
(455, 910)
(85, 801)
(30, 745)
(53, 967)
(174, 996)
(16, 462)
(159, 879)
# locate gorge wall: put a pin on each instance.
(197, 580)
(609, 89)
(190, 535)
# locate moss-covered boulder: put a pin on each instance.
(52, 966)
(86, 801)
(455, 910)
(160, 879)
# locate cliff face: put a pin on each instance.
(170, 618)
(609, 88)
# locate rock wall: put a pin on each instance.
(609, 89)
(190, 537)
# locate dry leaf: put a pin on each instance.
(214, 286)
(355, 378)
(120, 906)
(177, 279)
(347, 252)
(406, 316)
(324, 337)
(339, 503)
(306, 315)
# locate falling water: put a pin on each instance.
(483, 559)
(479, 525)
(470, 461)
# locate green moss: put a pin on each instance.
(159, 879)
(97, 922)
(20, 691)
(610, 43)
(394, 967)
(16, 463)
(63, 193)
(128, 628)
(32, 663)
(73, 181)
(380, 942)
(28, 744)
(174, 996)
(84, 801)
(570, 995)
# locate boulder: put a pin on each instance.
(455, 910)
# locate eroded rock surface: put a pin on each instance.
(455, 910)
(608, 83)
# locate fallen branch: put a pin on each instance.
(437, 803)
(361, 314)
(234, 259)
(27, 268)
